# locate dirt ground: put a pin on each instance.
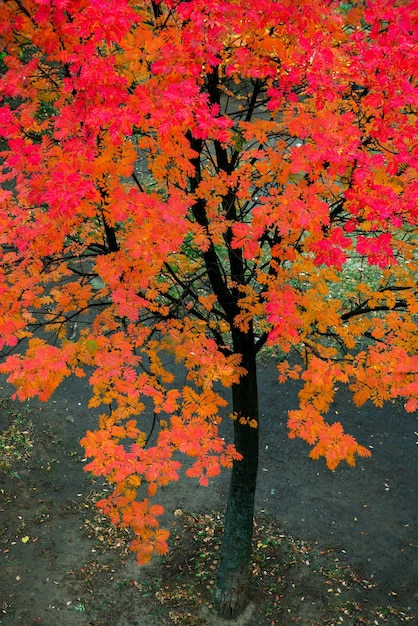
(331, 547)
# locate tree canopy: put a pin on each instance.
(202, 179)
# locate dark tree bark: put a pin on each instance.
(234, 569)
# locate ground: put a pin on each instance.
(330, 547)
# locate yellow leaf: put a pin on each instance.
(25, 539)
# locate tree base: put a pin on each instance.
(244, 619)
(232, 600)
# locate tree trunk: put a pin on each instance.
(234, 569)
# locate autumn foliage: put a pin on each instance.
(178, 175)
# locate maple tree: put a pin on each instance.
(197, 180)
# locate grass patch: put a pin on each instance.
(16, 440)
